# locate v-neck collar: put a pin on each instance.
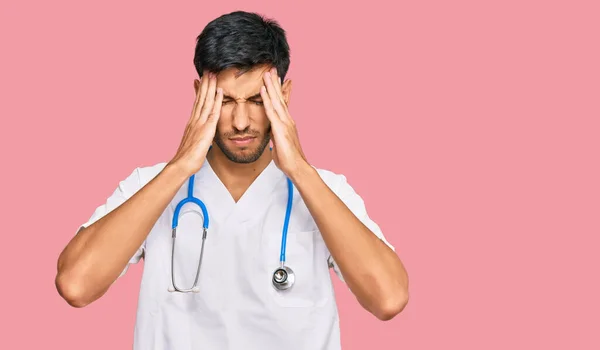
(253, 199)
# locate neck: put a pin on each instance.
(237, 177)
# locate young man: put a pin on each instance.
(275, 223)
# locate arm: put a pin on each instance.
(97, 255)
(373, 272)
(371, 269)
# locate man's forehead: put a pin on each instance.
(237, 83)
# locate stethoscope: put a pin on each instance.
(283, 276)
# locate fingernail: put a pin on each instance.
(268, 74)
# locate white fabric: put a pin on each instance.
(237, 306)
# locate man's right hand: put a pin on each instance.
(98, 254)
(201, 127)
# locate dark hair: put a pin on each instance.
(241, 40)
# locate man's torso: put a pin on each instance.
(237, 306)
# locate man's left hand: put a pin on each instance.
(287, 152)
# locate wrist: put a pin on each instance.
(176, 172)
(303, 174)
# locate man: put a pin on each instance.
(224, 160)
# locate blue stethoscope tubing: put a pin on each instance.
(191, 199)
(283, 277)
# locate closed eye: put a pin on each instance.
(255, 99)
(258, 103)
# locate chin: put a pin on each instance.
(243, 153)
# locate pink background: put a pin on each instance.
(470, 128)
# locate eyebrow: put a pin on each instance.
(253, 97)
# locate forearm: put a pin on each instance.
(96, 256)
(372, 270)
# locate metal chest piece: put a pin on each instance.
(283, 278)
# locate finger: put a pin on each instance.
(269, 109)
(216, 112)
(200, 97)
(277, 84)
(210, 99)
(203, 89)
(274, 98)
(196, 105)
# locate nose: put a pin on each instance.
(241, 116)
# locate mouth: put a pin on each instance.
(242, 140)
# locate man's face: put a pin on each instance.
(243, 130)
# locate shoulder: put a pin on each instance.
(141, 175)
(348, 195)
(330, 177)
(337, 182)
(149, 172)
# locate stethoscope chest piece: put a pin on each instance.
(283, 278)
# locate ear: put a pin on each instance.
(196, 85)
(286, 90)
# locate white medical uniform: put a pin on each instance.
(237, 306)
